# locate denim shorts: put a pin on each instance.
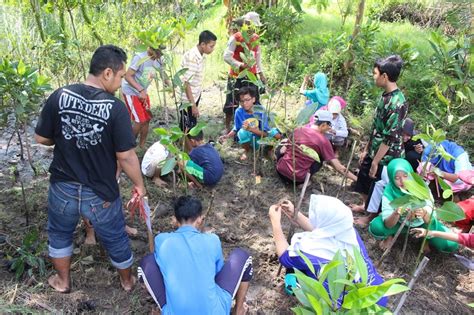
(67, 202)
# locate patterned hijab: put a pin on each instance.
(391, 191)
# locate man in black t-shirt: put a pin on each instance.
(90, 130)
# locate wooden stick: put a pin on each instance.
(416, 274)
(347, 169)
(295, 213)
(392, 242)
(151, 240)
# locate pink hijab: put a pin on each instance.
(325, 107)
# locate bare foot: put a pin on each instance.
(362, 221)
(357, 208)
(128, 285)
(241, 310)
(159, 182)
(59, 285)
(243, 157)
(130, 230)
(383, 245)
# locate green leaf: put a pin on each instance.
(21, 68)
(168, 166)
(345, 282)
(315, 304)
(326, 268)
(160, 131)
(360, 265)
(339, 272)
(310, 152)
(307, 262)
(301, 311)
(450, 212)
(396, 289)
(312, 286)
(368, 296)
(305, 114)
(197, 129)
(302, 298)
(446, 193)
(415, 189)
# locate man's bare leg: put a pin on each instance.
(136, 127)
(61, 281)
(228, 121)
(127, 280)
(240, 307)
(144, 133)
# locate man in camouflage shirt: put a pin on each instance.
(385, 142)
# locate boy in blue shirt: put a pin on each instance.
(205, 164)
(187, 274)
(250, 126)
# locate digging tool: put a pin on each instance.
(295, 213)
(418, 270)
(347, 169)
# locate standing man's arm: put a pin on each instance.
(258, 60)
(43, 140)
(188, 64)
(229, 54)
(131, 166)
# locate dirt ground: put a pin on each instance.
(238, 214)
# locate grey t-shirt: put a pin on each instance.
(145, 71)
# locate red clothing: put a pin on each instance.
(252, 46)
(311, 138)
(468, 207)
(466, 239)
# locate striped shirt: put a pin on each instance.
(194, 62)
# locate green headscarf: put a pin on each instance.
(391, 191)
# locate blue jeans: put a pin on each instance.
(67, 202)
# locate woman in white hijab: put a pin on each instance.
(328, 229)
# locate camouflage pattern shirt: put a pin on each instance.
(390, 114)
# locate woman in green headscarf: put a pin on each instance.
(387, 223)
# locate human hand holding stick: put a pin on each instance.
(287, 208)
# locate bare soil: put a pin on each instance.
(238, 214)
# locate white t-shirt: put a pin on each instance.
(155, 154)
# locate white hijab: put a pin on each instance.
(332, 229)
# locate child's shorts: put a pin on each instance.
(246, 136)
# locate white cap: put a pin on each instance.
(253, 17)
(334, 106)
(323, 115)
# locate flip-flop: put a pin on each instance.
(290, 283)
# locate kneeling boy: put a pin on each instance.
(205, 164)
(250, 126)
(187, 274)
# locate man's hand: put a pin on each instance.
(373, 170)
(275, 213)
(142, 96)
(362, 157)
(140, 190)
(195, 110)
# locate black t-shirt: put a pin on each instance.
(88, 126)
(208, 158)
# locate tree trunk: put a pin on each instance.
(358, 22)
(37, 12)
